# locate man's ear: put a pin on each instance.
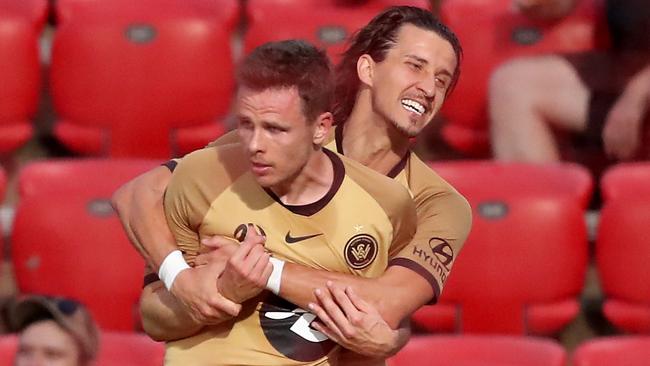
(365, 69)
(322, 127)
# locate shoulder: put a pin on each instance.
(432, 193)
(211, 162)
(425, 181)
(390, 194)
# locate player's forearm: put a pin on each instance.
(350, 358)
(396, 294)
(163, 317)
(404, 291)
(139, 204)
(299, 282)
(638, 88)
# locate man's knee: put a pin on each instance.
(515, 80)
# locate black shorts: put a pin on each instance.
(606, 76)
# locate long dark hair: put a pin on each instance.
(375, 39)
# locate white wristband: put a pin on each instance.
(173, 264)
(275, 279)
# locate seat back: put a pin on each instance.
(21, 23)
(67, 240)
(479, 350)
(622, 248)
(326, 23)
(523, 265)
(606, 351)
(125, 84)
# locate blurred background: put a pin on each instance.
(545, 135)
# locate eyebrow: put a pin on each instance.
(424, 61)
(446, 72)
(417, 58)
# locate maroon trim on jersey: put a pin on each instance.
(399, 167)
(171, 165)
(314, 207)
(417, 268)
(338, 138)
(149, 279)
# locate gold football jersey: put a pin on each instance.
(364, 220)
(444, 219)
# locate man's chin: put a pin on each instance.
(410, 131)
(264, 181)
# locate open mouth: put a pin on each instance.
(413, 106)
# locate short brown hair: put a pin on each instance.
(291, 63)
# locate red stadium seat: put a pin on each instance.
(33, 10)
(376, 5)
(327, 26)
(20, 27)
(226, 11)
(622, 247)
(66, 239)
(8, 345)
(479, 350)
(3, 183)
(523, 266)
(609, 351)
(144, 83)
(3, 186)
(116, 349)
(492, 32)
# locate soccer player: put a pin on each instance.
(315, 208)
(391, 82)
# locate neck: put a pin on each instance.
(371, 139)
(310, 184)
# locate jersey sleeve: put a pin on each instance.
(443, 223)
(228, 138)
(181, 212)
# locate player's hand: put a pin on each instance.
(216, 249)
(247, 270)
(196, 288)
(355, 324)
(624, 123)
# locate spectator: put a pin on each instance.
(54, 331)
(601, 97)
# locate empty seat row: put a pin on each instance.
(523, 265)
(151, 78)
(132, 349)
(163, 69)
(522, 351)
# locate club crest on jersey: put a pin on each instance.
(360, 251)
(242, 230)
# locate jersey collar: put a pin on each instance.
(314, 207)
(338, 138)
